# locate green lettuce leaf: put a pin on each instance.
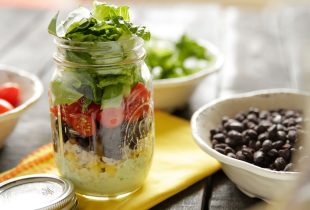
(102, 11)
(80, 57)
(87, 86)
(119, 71)
(104, 23)
(78, 18)
(113, 95)
(72, 85)
(114, 80)
(63, 94)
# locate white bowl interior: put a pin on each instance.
(253, 180)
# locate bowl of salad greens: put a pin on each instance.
(178, 66)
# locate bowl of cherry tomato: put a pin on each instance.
(19, 90)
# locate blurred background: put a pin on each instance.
(70, 3)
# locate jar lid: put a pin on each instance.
(40, 192)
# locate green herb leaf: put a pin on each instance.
(52, 26)
(143, 33)
(173, 60)
(85, 105)
(190, 48)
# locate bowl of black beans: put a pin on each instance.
(255, 136)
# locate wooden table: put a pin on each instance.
(263, 49)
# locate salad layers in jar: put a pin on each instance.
(101, 108)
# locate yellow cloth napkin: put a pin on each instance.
(178, 163)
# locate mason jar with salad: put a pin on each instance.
(101, 103)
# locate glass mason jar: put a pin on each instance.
(101, 110)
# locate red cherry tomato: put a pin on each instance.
(111, 117)
(5, 106)
(82, 123)
(137, 102)
(11, 93)
(76, 108)
(73, 115)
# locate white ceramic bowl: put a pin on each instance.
(31, 89)
(254, 181)
(173, 93)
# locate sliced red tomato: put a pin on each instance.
(54, 110)
(77, 108)
(93, 109)
(11, 93)
(84, 124)
(137, 103)
(70, 110)
(111, 117)
(5, 106)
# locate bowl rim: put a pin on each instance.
(282, 175)
(38, 90)
(214, 67)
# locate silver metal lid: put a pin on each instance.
(37, 192)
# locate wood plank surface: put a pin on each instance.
(15, 24)
(192, 198)
(254, 57)
(29, 45)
